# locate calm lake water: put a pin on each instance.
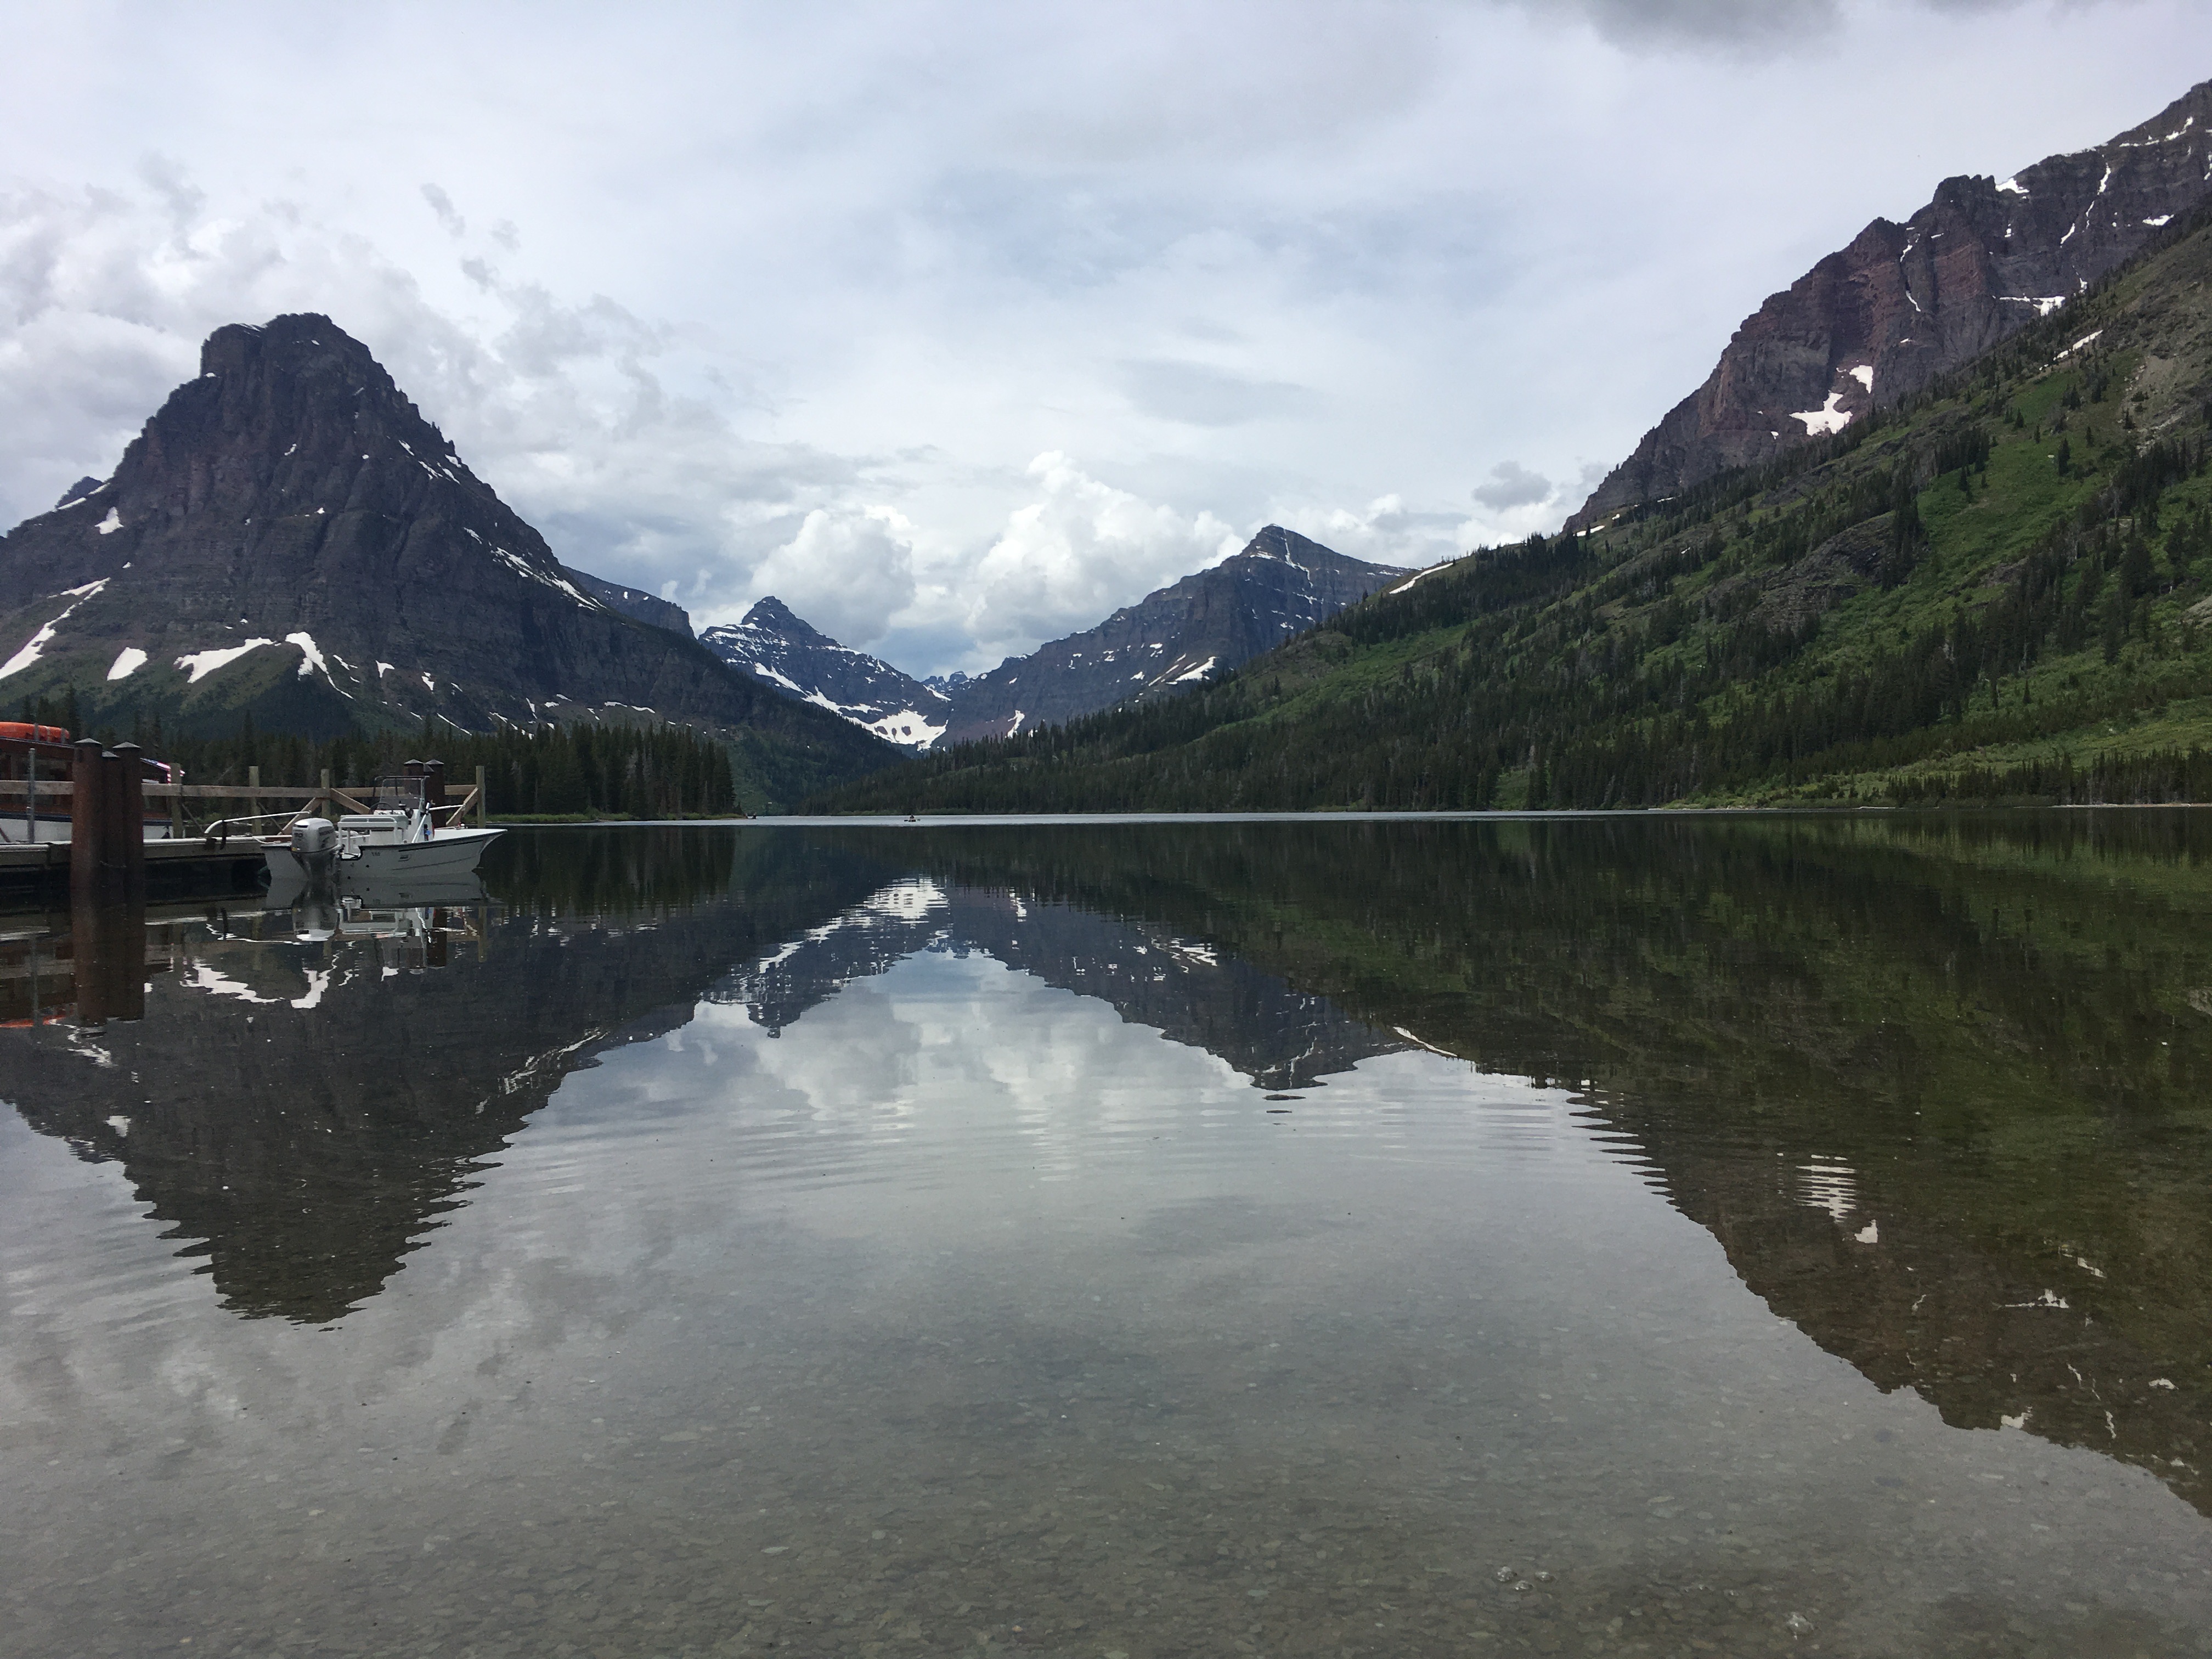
(1646, 1234)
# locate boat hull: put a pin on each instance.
(448, 853)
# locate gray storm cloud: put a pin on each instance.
(1512, 485)
(1751, 26)
(448, 216)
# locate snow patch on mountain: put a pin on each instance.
(35, 646)
(201, 663)
(1826, 418)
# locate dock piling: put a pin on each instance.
(88, 822)
(126, 811)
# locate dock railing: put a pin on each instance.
(20, 800)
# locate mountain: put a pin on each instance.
(1172, 640)
(1166, 643)
(783, 652)
(632, 602)
(2003, 591)
(289, 538)
(1873, 324)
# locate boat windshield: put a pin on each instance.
(398, 794)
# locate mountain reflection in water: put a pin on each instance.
(1937, 1087)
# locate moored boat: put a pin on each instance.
(400, 834)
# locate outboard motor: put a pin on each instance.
(315, 844)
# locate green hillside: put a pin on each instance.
(1997, 590)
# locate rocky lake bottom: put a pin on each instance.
(1638, 1235)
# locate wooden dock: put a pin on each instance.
(190, 866)
(223, 856)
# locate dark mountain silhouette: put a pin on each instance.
(289, 538)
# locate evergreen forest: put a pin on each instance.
(585, 769)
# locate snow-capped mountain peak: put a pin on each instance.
(777, 649)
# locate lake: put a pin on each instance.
(1652, 1234)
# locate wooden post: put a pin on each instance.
(87, 823)
(480, 797)
(253, 781)
(127, 825)
(31, 813)
(176, 805)
(115, 827)
(329, 809)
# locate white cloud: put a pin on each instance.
(1384, 532)
(846, 573)
(1080, 548)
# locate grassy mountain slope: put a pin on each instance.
(1997, 590)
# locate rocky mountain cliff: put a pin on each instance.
(1877, 321)
(633, 602)
(783, 652)
(288, 537)
(1172, 640)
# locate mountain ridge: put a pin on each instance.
(288, 537)
(789, 655)
(1880, 319)
(1178, 636)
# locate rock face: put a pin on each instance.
(290, 537)
(784, 653)
(1170, 641)
(633, 602)
(1903, 304)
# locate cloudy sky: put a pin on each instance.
(957, 325)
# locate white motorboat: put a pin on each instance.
(399, 836)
